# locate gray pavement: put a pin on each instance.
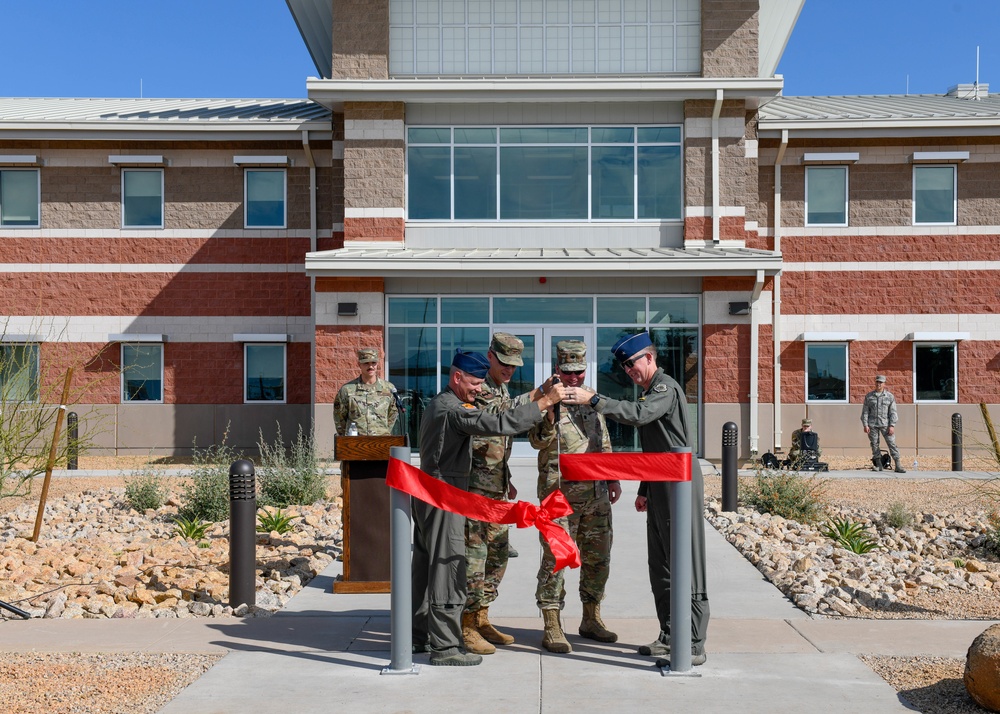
(326, 651)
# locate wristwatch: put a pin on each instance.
(594, 400)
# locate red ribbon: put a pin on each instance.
(409, 479)
(670, 466)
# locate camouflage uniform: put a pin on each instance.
(371, 406)
(878, 414)
(581, 430)
(487, 545)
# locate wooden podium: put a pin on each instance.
(363, 463)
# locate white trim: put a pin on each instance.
(939, 156)
(891, 266)
(260, 160)
(938, 336)
(846, 157)
(374, 212)
(169, 268)
(829, 336)
(136, 338)
(260, 337)
(22, 339)
(18, 160)
(135, 160)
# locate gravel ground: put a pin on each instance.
(143, 682)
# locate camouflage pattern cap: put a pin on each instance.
(880, 378)
(507, 348)
(367, 354)
(807, 422)
(571, 355)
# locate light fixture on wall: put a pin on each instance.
(347, 309)
(739, 308)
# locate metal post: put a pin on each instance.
(680, 574)
(72, 441)
(956, 442)
(400, 577)
(242, 534)
(730, 484)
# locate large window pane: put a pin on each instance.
(475, 183)
(142, 198)
(142, 373)
(265, 205)
(19, 198)
(677, 354)
(265, 373)
(18, 373)
(411, 362)
(673, 310)
(476, 339)
(410, 311)
(611, 381)
(826, 195)
(540, 310)
(612, 184)
(543, 183)
(826, 373)
(935, 371)
(934, 194)
(465, 310)
(428, 172)
(659, 174)
(621, 311)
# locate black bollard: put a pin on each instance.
(242, 534)
(956, 442)
(730, 485)
(72, 441)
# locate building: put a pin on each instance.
(549, 168)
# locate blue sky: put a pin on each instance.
(252, 48)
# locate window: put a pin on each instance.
(935, 372)
(265, 373)
(19, 198)
(934, 194)
(544, 36)
(826, 372)
(142, 372)
(826, 195)
(625, 173)
(265, 198)
(18, 373)
(142, 198)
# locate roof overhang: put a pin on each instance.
(333, 93)
(603, 262)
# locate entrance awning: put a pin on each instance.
(483, 262)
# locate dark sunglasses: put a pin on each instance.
(630, 363)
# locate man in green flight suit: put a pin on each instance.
(367, 401)
(661, 417)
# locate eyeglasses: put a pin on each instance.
(630, 363)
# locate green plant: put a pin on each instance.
(190, 528)
(992, 543)
(850, 535)
(958, 562)
(290, 476)
(899, 515)
(276, 521)
(206, 494)
(145, 489)
(789, 495)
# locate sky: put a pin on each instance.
(252, 48)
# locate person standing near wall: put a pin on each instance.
(368, 402)
(879, 417)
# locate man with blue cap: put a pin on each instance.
(439, 564)
(661, 415)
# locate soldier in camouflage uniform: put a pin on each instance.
(368, 401)
(879, 416)
(580, 430)
(487, 546)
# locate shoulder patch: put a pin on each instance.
(659, 387)
(466, 405)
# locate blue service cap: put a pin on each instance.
(629, 345)
(473, 364)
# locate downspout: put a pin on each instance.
(313, 231)
(755, 360)
(716, 202)
(776, 325)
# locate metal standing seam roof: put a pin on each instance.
(883, 107)
(62, 110)
(607, 261)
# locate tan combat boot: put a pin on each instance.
(488, 631)
(592, 626)
(554, 640)
(474, 642)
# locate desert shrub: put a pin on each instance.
(190, 528)
(290, 476)
(992, 543)
(274, 521)
(145, 489)
(789, 495)
(206, 493)
(850, 535)
(899, 515)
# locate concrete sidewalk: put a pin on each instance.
(325, 652)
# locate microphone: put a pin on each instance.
(555, 407)
(395, 396)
